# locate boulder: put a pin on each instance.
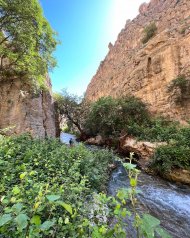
(179, 176)
(98, 140)
(144, 150)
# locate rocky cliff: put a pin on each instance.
(26, 110)
(146, 70)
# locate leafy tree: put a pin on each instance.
(26, 40)
(104, 117)
(109, 116)
(132, 109)
(73, 108)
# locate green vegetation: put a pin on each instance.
(149, 32)
(174, 155)
(48, 190)
(43, 185)
(156, 130)
(180, 87)
(106, 117)
(111, 117)
(73, 109)
(26, 40)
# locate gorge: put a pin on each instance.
(129, 175)
(146, 70)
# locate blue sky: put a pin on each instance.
(85, 28)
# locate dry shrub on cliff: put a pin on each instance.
(180, 87)
(149, 32)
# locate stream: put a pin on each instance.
(168, 202)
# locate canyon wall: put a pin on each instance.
(146, 70)
(26, 110)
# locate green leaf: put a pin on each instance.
(5, 219)
(122, 194)
(150, 220)
(36, 220)
(66, 220)
(21, 221)
(53, 198)
(149, 224)
(66, 206)
(133, 182)
(17, 208)
(129, 166)
(23, 175)
(46, 225)
(110, 233)
(163, 233)
(16, 190)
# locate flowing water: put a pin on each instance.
(168, 202)
(65, 137)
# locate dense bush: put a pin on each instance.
(169, 157)
(174, 155)
(103, 117)
(44, 184)
(158, 129)
(149, 32)
(47, 191)
(109, 116)
(179, 82)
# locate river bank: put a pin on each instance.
(144, 152)
(169, 202)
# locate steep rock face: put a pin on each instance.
(26, 111)
(147, 70)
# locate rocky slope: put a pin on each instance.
(146, 70)
(24, 110)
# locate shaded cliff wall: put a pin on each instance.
(26, 110)
(146, 70)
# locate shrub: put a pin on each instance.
(109, 116)
(45, 190)
(159, 129)
(44, 184)
(174, 155)
(170, 157)
(103, 117)
(180, 86)
(180, 82)
(149, 32)
(132, 109)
